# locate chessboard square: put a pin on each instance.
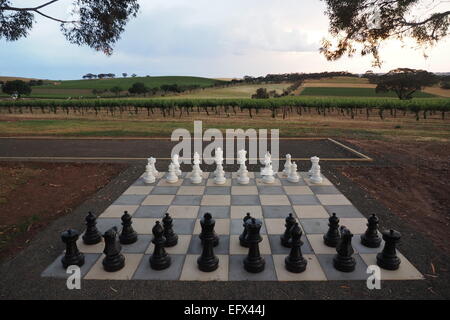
(165, 190)
(140, 246)
(187, 200)
(158, 200)
(183, 226)
(311, 212)
(217, 212)
(151, 212)
(223, 247)
(129, 199)
(191, 191)
(326, 262)
(237, 249)
(275, 226)
(222, 227)
(218, 190)
(239, 212)
(277, 211)
(211, 183)
(115, 211)
(191, 272)
(237, 226)
(344, 211)
(260, 182)
(297, 190)
(105, 224)
(271, 190)
(406, 271)
(325, 189)
(164, 183)
(139, 190)
(362, 249)
(333, 199)
(244, 190)
(274, 200)
(305, 200)
(245, 200)
(216, 200)
(318, 245)
(56, 269)
(145, 272)
(355, 225)
(181, 247)
(183, 212)
(238, 272)
(126, 273)
(287, 183)
(92, 248)
(144, 225)
(277, 248)
(313, 270)
(314, 225)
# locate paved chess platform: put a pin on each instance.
(311, 204)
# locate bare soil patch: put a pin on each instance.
(415, 186)
(34, 194)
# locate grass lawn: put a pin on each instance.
(354, 92)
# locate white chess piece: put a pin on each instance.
(149, 178)
(218, 159)
(220, 176)
(268, 177)
(176, 162)
(242, 174)
(197, 162)
(267, 163)
(314, 162)
(293, 175)
(152, 164)
(316, 176)
(172, 176)
(287, 165)
(196, 176)
(242, 158)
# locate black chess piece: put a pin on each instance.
(128, 235)
(286, 237)
(159, 260)
(254, 262)
(344, 261)
(72, 256)
(332, 237)
(387, 259)
(92, 235)
(243, 237)
(169, 234)
(114, 260)
(371, 239)
(295, 262)
(216, 237)
(208, 262)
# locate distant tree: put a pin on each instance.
(445, 85)
(18, 87)
(116, 90)
(111, 75)
(97, 24)
(261, 93)
(404, 82)
(171, 88)
(138, 88)
(124, 74)
(134, 75)
(89, 76)
(33, 82)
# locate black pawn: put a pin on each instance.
(254, 262)
(128, 235)
(371, 239)
(332, 237)
(243, 237)
(344, 261)
(114, 260)
(169, 234)
(286, 237)
(92, 235)
(387, 259)
(208, 262)
(295, 262)
(216, 237)
(159, 260)
(72, 256)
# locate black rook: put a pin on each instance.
(387, 259)
(72, 257)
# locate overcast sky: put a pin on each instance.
(207, 38)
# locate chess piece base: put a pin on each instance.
(298, 266)
(220, 181)
(209, 265)
(160, 263)
(254, 266)
(171, 241)
(268, 179)
(344, 264)
(114, 263)
(92, 239)
(76, 260)
(316, 180)
(243, 179)
(196, 180)
(330, 241)
(388, 263)
(370, 242)
(172, 180)
(293, 179)
(149, 180)
(128, 239)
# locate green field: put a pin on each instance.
(354, 92)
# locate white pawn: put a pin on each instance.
(151, 163)
(196, 175)
(149, 178)
(176, 162)
(287, 165)
(267, 163)
(197, 162)
(268, 177)
(218, 159)
(220, 176)
(172, 176)
(314, 162)
(316, 176)
(293, 175)
(242, 174)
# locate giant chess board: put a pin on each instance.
(311, 204)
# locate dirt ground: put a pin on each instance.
(414, 185)
(34, 194)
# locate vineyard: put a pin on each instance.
(284, 107)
